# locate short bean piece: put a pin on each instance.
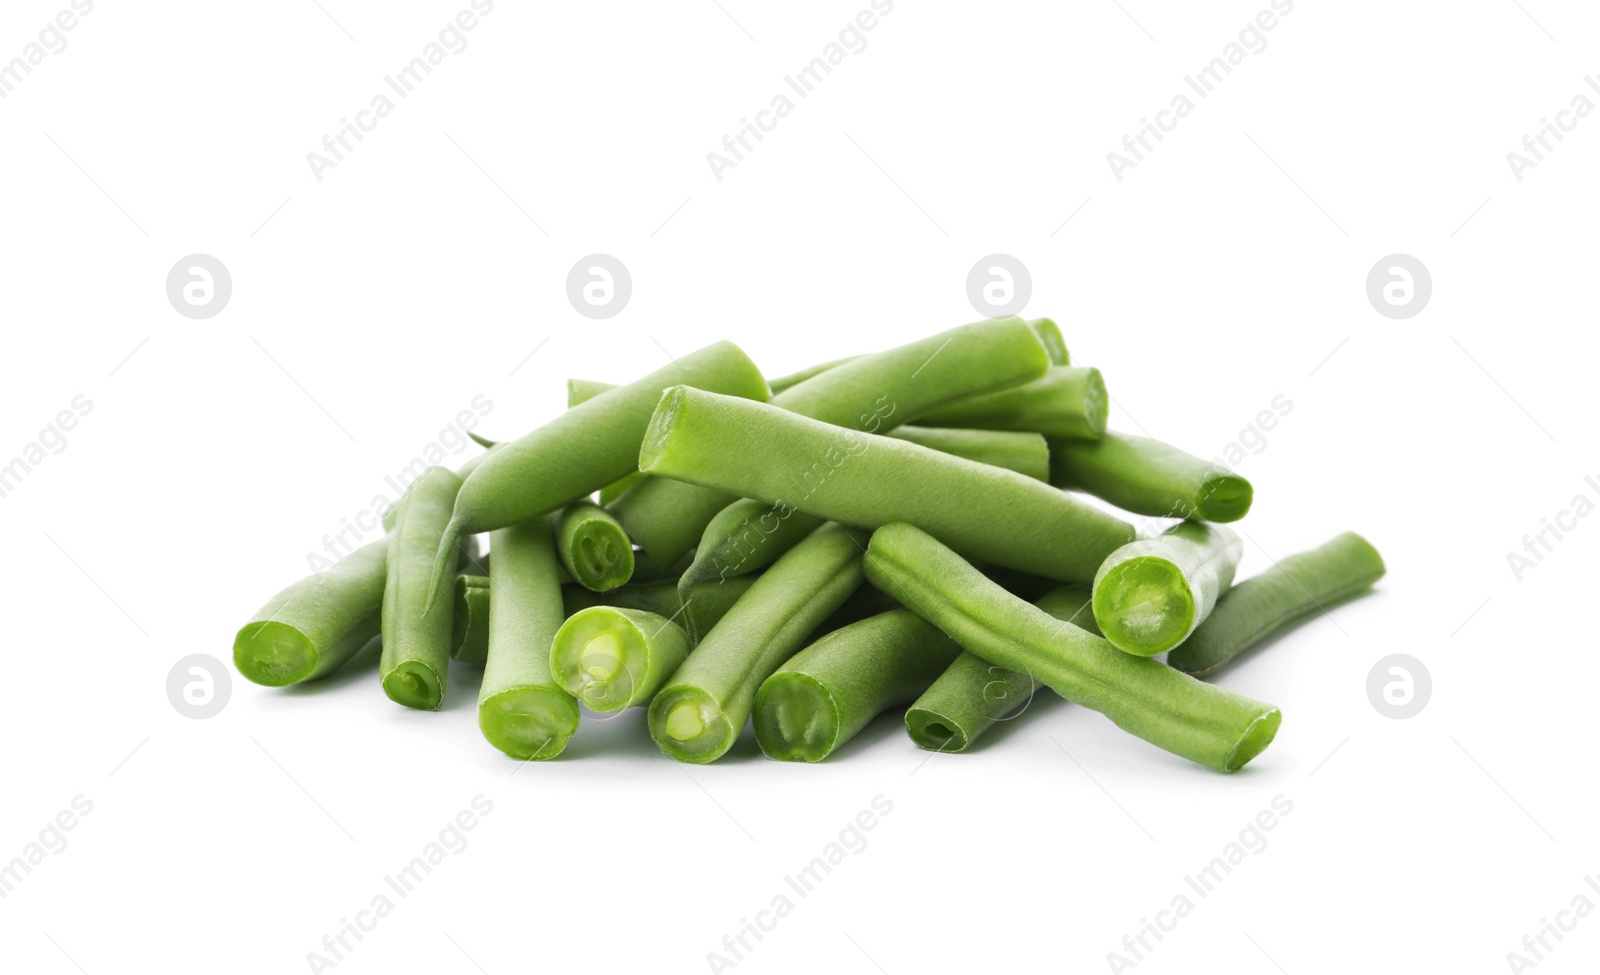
(1148, 477)
(611, 658)
(417, 626)
(593, 546)
(1151, 594)
(1068, 402)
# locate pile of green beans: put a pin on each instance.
(897, 535)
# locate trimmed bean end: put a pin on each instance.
(273, 654)
(600, 658)
(1255, 740)
(602, 557)
(689, 725)
(1225, 497)
(796, 718)
(1144, 606)
(528, 723)
(415, 685)
(934, 731)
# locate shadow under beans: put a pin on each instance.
(887, 730)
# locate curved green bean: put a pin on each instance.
(828, 692)
(1068, 402)
(1151, 594)
(762, 452)
(1277, 600)
(522, 709)
(469, 626)
(416, 631)
(973, 695)
(315, 625)
(699, 714)
(1148, 477)
(1145, 697)
(593, 546)
(611, 658)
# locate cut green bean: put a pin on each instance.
(874, 393)
(469, 634)
(583, 449)
(583, 390)
(1148, 477)
(416, 620)
(522, 709)
(828, 692)
(1277, 600)
(700, 713)
(593, 546)
(749, 535)
(794, 379)
(1050, 334)
(697, 612)
(973, 695)
(762, 452)
(1047, 330)
(1151, 594)
(611, 658)
(311, 628)
(391, 514)
(1145, 697)
(1069, 402)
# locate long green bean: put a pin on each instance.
(416, 629)
(1151, 594)
(828, 692)
(762, 452)
(611, 658)
(699, 714)
(1068, 402)
(1169, 709)
(522, 709)
(315, 625)
(1148, 477)
(469, 633)
(593, 546)
(1277, 600)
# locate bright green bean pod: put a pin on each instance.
(314, 626)
(794, 379)
(699, 714)
(874, 393)
(1050, 334)
(1144, 697)
(585, 448)
(416, 629)
(697, 612)
(593, 546)
(1277, 600)
(973, 695)
(1148, 477)
(611, 658)
(522, 709)
(391, 514)
(1151, 594)
(1069, 402)
(583, 390)
(763, 452)
(469, 633)
(617, 489)
(828, 692)
(749, 535)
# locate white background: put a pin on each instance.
(368, 308)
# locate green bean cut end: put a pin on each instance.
(688, 725)
(415, 685)
(934, 731)
(1096, 405)
(1144, 606)
(1225, 497)
(1255, 741)
(601, 658)
(601, 556)
(796, 719)
(528, 722)
(273, 654)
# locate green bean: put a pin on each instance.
(1069, 402)
(809, 372)
(699, 714)
(1145, 697)
(416, 633)
(1277, 600)
(875, 392)
(583, 390)
(749, 535)
(522, 709)
(583, 449)
(1151, 594)
(697, 612)
(647, 570)
(315, 625)
(391, 514)
(469, 634)
(762, 452)
(617, 489)
(1050, 334)
(593, 546)
(611, 658)
(1047, 330)
(973, 695)
(828, 692)
(1148, 477)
